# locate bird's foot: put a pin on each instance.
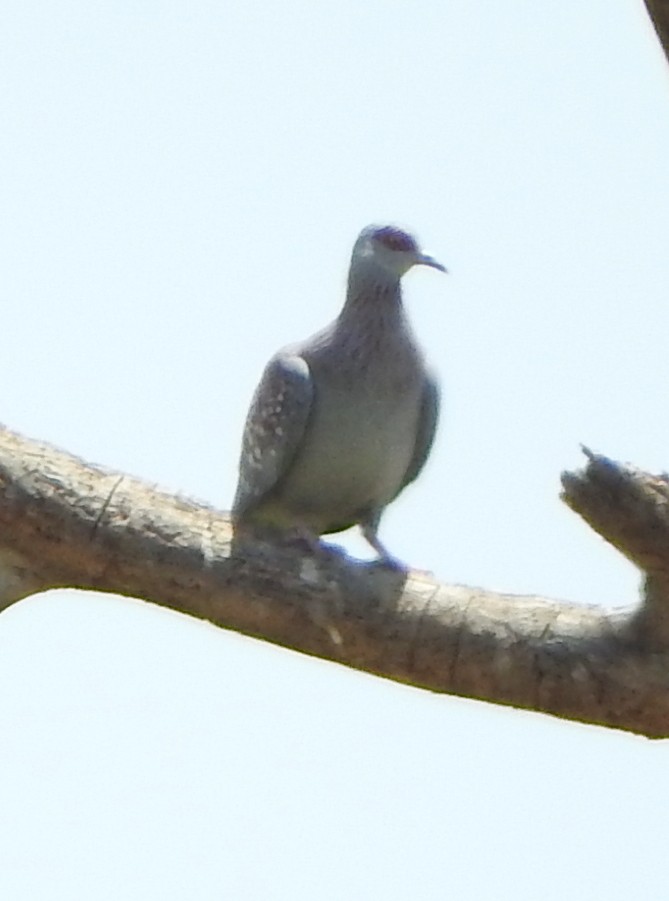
(387, 561)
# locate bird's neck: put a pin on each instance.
(373, 297)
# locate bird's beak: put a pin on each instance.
(424, 259)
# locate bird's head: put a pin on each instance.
(392, 250)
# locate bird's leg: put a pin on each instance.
(369, 529)
(306, 539)
(311, 539)
(293, 534)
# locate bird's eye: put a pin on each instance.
(395, 239)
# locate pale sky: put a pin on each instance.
(180, 186)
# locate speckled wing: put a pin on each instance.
(427, 428)
(274, 430)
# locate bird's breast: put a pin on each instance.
(358, 444)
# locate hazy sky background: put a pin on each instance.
(180, 188)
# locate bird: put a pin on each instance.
(342, 422)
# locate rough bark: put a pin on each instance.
(65, 523)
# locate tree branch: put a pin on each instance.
(630, 509)
(658, 10)
(65, 523)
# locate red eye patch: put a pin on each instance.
(395, 239)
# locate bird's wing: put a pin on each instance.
(427, 427)
(274, 429)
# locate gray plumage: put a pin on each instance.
(343, 421)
